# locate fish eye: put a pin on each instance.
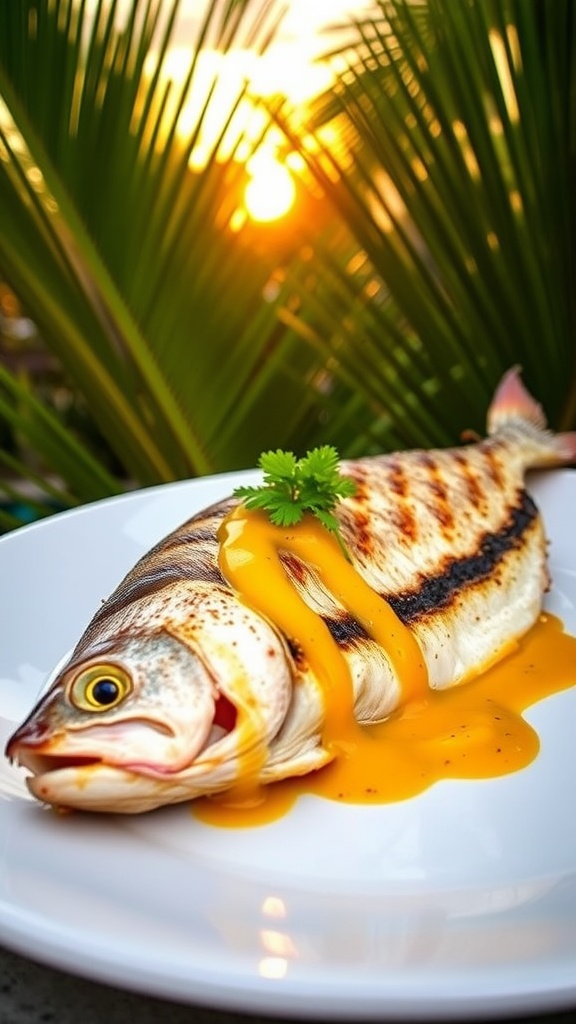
(100, 688)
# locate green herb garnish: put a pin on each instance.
(294, 486)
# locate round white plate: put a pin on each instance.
(461, 902)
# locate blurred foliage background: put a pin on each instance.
(152, 329)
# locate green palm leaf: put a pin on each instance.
(454, 180)
(439, 234)
(123, 255)
(39, 430)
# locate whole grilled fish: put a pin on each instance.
(178, 688)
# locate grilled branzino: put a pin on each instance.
(179, 688)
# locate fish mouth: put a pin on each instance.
(41, 761)
(90, 781)
(45, 764)
(71, 782)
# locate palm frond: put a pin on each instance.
(454, 178)
(436, 247)
(122, 251)
(41, 439)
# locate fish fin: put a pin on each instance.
(512, 402)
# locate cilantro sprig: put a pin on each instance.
(294, 486)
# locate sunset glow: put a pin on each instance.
(271, 191)
(221, 107)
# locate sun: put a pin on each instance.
(271, 191)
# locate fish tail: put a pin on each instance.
(512, 404)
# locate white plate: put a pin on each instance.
(460, 902)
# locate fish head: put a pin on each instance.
(157, 718)
(145, 707)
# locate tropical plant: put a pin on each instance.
(455, 179)
(123, 254)
(438, 248)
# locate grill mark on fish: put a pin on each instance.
(190, 554)
(355, 523)
(363, 537)
(398, 483)
(294, 567)
(359, 473)
(345, 629)
(494, 465)
(440, 590)
(474, 492)
(397, 477)
(190, 535)
(150, 584)
(439, 507)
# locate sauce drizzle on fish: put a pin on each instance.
(474, 731)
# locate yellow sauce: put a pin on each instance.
(470, 731)
(249, 559)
